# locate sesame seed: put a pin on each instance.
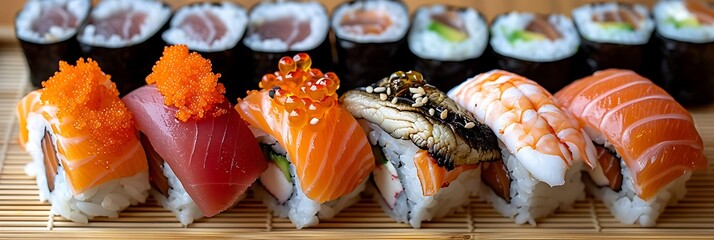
(431, 111)
(314, 121)
(417, 95)
(417, 100)
(417, 104)
(421, 90)
(469, 125)
(389, 91)
(379, 89)
(370, 89)
(444, 114)
(424, 100)
(394, 100)
(413, 90)
(382, 96)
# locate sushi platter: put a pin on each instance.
(357, 119)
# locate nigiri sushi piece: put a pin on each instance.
(320, 157)
(647, 143)
(428, 149)
(202, 156)
(86, 155)
(543, 146)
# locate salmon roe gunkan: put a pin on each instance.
(306, 93)
(187, 82)
(86, 95)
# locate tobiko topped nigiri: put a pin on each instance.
(86, 157)
(320, 156)
(202, 156)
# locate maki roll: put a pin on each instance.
(427, 148)
(280, 28)
(539, 47)
(202, 156)
(685, 38)
(370, 40)
(615, 35)
(86, 155)
(449, 44)
(214, 30)
(647, 143)
(46, 31)
(124, 37)
(543, 147)
(320, 158)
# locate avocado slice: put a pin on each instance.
(687, 22)
(524, 35)
(379, 157)
(447, 32)
(282, 163)
(617, 26)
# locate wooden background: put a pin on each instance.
(488, 7)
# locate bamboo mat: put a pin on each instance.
(21, 213)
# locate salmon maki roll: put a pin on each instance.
(647, 143)
(543, 147)
(320, 157)
(202, 156)
(86, 155)
(428, 149)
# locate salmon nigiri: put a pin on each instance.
(86, 156)
(202, 156)
(543, 146)
(320, 156)
(647, 142)
(428, 149)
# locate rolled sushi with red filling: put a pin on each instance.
(370, 40)
(46, 31)
(539, 47)
(277, 29)
(449, 44)
(202, 156)
(214, 30)
(124, 37)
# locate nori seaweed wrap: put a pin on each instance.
(448, 44)
(215, 30)
(370, 40)
(46, 31)
(125, 53)
(539, 47)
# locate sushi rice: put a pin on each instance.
(232, 15)
(412, 206)
(394, 32)
(543, 50)
(32, 11)
(591, 30)
(672, 18)
(301, 210)
(156, 15)
(429, 45)
(107, 199)
(301, 11)
(178, 200)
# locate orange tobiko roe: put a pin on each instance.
(89, 97)
(187, 82)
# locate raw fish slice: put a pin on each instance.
(124, 23)
(204, 26)
(702, 10)
(288, 29)
(53, 16)
(432, 176)
(540, 24)
(450, 18)
(366, 22)
(653, 134)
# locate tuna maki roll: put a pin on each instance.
(124, 38)
(539, 47)
(214, 30)
(277, 29)
(614, 35)
(685, 36)
(370, 40)
(46, 31)
(449, 44)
